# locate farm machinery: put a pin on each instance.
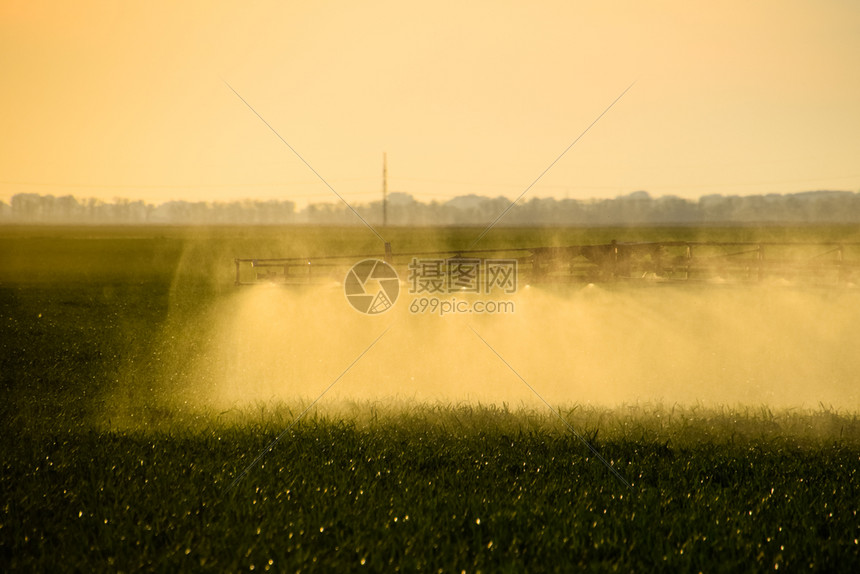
(662, 261)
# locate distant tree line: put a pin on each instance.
(403, 209)
(34, 208)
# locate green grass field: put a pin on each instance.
(371, 485)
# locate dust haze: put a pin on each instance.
(781, 345)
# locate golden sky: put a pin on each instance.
(129, 99)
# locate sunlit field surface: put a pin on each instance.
(139, 384)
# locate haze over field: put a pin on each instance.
(109, 100)
(777, 343)
(751, 347)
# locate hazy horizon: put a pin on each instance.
(823, 207)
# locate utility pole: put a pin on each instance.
(384, 189)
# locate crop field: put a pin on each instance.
(156, 417)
